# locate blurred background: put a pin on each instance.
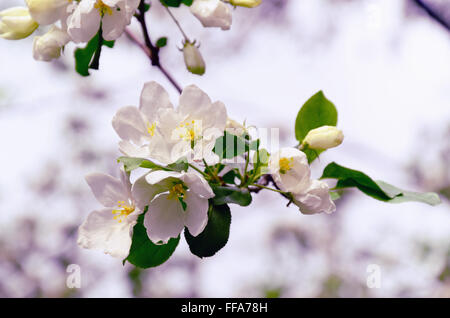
(384, 63)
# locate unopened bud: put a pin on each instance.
(246, 3)
(324, 137)
(193, 59)
(16, 23)
(49, 46)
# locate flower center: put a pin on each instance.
(177, 192)
(103, 8)
(286, 164)
(189, 131)
(123, 211)
(151, 129)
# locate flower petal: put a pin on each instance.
(107, 189)
(84, 23)
(143, 192)
(101, 231)
(197, 184)
(196, 213)
(129, 124)
(153, 98)
(316, 199)
(194, 103)
(165, 219)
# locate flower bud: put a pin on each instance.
(246, 3)
(46, 12)
(323, 138)
(235, 128)
(16, 23)
(49, 46)
(193, 59)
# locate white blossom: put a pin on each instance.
(212, 13)
(112, 15)
(315, 199)
(47, 12)
(110, 229)
(165, 193)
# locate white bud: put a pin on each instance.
(323, 138)
(235, 128)
(46, 12)
(193, 59)
(212, 13)
(246, 3)
(49, 46)
(16, 23)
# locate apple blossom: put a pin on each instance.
(112, 15)
(212, 13)
(49, 46)
(324, 137)
(175, 200)
(290, 170)
(16, 23)
(110, 229)
(315, 199)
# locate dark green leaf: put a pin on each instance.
(229, 146)
(230, 177)
(379, 190)
(224, 195)
(161, 42)
(143, 252)
(215, 235)
(316, 112)
(171, 3)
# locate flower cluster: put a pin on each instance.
(80, 21)
(187, 172)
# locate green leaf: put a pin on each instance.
(89, 57)
(379, 190)
(215, 235)
(143, 252)
(229, 146)
(179, 165)
(176, 3)
(316, 112)
(225, 195)
(230, 177)
(131, 163)
(161, 42)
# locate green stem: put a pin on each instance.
(198, 170)
(271, 189)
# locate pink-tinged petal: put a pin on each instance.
(165, 219)
(161, 175)
(316, 199)
(196, 213)
(114, 24)
(153, 98)
(107, 189)
(100, 231)
(197, 184)
(220, 116)
(130, 125)
(143, 192)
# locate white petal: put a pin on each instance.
(107, 189)
(129, 124)
(194, 103)
(165, 219)
(212, 13)
(316, 199)
(114, 24)
(101, 231)
(153, 98)
(160, 175)
(197, 184)
(196, 213)
(143, 192)
(131, 150)
(84, 23)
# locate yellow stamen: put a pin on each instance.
(103, 8)
(123, 211)
(151, 129)
(286, 164)
(177, 191)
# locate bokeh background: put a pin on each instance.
(384, 63)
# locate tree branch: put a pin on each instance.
(434, 15)
(149, 49)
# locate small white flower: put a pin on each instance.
(212, 13)
(324, 137)
(47, 12)
(315, 199)
(290, 170)
(139, 127)
(89, 15)
(16, 23)
(49, 46)
(175, 200)
(110, 229)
